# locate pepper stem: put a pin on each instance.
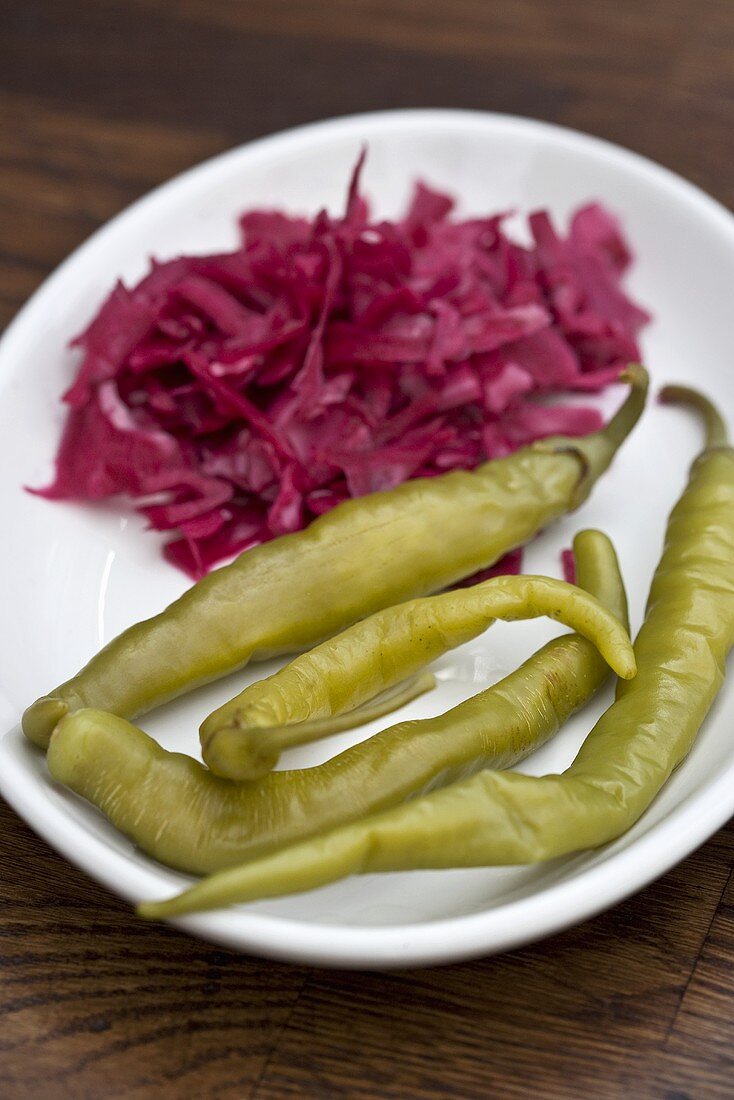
(624, 420)
(250, 753)
(596, 451)
(714, 424)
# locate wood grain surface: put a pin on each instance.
(101, 100)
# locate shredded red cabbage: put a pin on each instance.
(238, 396)
(568, 564)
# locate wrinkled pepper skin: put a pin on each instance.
(239, 741)
(366, 554)
(500, 817)
(181, 814)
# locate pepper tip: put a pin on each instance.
(629, 670)
(41, 718)
(241, 754)
(148, 910)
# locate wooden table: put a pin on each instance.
(99, 101)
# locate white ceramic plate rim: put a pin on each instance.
(507, 925)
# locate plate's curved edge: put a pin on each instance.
(503, 928)
(509, 925)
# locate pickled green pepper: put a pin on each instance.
(180, 813)
(366, 554)
(501, 817)
(242, 739)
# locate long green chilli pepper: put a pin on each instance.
(501, 817)
(376, 654)
(364, 555)
(180, 813)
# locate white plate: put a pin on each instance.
(71, 577)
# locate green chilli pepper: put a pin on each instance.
(365, 555)
(180, 813)
(501, 817)
(391, 646)
(278, 716)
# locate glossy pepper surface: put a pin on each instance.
(501, 817)
(241, 740)
(180, 813)
(364, 555)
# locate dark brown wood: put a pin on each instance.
(101, 100)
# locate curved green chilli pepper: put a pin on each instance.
(500, 817)
(251, 751)
(377, 654)
(178, 812)
(364, 555)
